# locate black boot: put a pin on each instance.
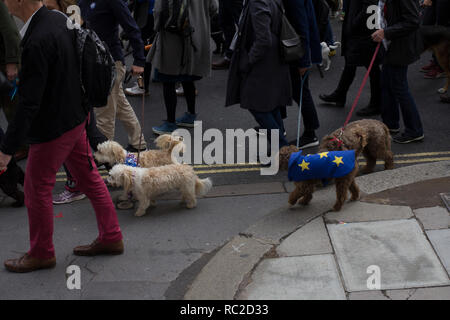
(369, 111)
(334, 98)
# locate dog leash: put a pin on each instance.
(141, 85)
(300, 104)
(358, 96)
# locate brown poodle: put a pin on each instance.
(370, 138)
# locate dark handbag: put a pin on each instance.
(291, 43)
(5, 84)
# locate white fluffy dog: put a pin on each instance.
(147, 183)
(326, 61)
(113, 153)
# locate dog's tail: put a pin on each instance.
(335, 46)
(203, 186)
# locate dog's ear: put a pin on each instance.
(127, 179)
(118, 153)
(330, 143)
(164, 141)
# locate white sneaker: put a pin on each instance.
(180, 90)
(135, 91)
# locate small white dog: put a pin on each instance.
(326, 61)
(147, 183)
(113, 153)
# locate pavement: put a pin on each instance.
(245, 242)
(399, 230)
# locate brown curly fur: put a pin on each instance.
(370, 138)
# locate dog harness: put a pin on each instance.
(131, 160)
(325, 165)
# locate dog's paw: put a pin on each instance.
(140, 213)
(337, 207)
(191, 204)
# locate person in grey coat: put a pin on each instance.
(176, 58)
(258, 78)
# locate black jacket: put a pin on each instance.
(357, 44)
(258, 78)
(402, 30)
(49, 95)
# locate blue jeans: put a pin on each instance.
(271, 121)
(397, 97)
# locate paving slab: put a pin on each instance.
(285, 220)
(221, 277)
(399, 248)
(361, 212)
(433, 218)
(310, 239)
(435, 293)
(296, 278)
(441, 243)
(387, 179)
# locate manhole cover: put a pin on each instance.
(446, 198)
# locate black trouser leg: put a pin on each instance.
(375, 87)
(309, 113)
(346, 80)
(170, 100)
(189, 94)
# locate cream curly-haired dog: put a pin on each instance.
(113, 153)
(148, 183)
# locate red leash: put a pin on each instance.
(358, 96)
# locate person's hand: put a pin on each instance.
(302, 71)
(135, 70)
(427, 3)
(12, 71)
(378, 35)
(4, 160)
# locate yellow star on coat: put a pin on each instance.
(304, 165)
(323, 155)
(338, 160)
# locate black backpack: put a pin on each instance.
(97, 68)
(175, 17)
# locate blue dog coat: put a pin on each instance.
(325, 165)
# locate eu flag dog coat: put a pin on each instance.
(325, 165)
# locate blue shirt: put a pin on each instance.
(325, 165)
(104, 17)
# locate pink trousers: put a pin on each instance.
(44, 161)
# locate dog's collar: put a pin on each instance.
(131, 160)
(339, 138)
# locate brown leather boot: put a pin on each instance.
(27, 264)
(97, 248)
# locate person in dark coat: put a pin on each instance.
(358, 50)
(399, 33)
(300, 14)
(258, 78)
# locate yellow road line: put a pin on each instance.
(258, 168)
